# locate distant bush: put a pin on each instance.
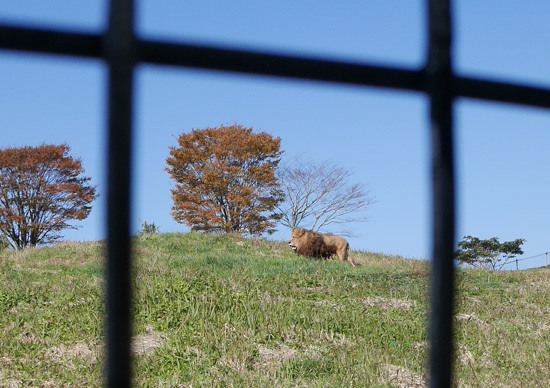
(489, 254)
(149, 228)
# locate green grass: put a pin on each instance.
(219, 311)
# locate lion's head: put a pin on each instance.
(295, 237)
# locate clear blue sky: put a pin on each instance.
(502, 150)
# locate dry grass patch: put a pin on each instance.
(384, 260)
(63, 254)
(144, 344)
(269, 358)
(387, 303)
(66, 354)
(402, 378)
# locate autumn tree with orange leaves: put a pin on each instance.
(225, 180)
(41, 190)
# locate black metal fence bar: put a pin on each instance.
(501, 92)
(51, 42)
(120, 56)
(439, 84)
(262, 63)
(265, 63)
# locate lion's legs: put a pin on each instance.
(346, 257)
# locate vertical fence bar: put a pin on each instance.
(439, 79)
(119, 52)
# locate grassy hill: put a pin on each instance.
(217, 311)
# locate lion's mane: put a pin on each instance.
(312, 244)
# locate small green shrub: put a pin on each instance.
(149, 228)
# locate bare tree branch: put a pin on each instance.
(320, 195)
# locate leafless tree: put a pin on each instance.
(319, 195)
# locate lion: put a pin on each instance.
(312, 244)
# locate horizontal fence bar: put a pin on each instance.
(262, 63)
(214, 58)
(501, 92)
(51, 42)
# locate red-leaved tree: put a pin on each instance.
(41, 190)
(225, 180)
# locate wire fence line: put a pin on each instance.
(518, 260)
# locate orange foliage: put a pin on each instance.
(40, 191)
(225, 179)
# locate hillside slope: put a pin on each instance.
(218, 311)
